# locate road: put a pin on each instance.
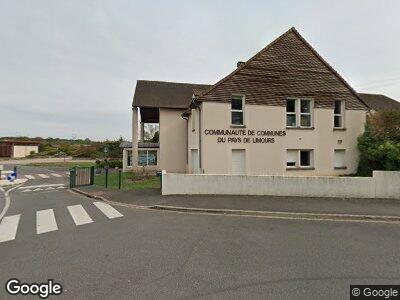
(148, 254)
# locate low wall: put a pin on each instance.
(382, 185)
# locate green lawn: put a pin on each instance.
(68, 164)
(130, 181)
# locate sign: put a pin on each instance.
(246, 136)
(12, 176)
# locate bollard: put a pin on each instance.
(15, 171)
(119, 178)
(106, 177)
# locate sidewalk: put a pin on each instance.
(152, 197)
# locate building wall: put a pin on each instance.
(193, 137)
(270, 158)
(24, 150)
(382, 184)
(173, 141)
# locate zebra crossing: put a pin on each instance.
(46, 220)
(45, 176)
(42, 187)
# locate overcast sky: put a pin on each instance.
(69, 68)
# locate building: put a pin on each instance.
(378, 103)
(18, 149)
(285, 111)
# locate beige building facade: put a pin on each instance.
(283, 112)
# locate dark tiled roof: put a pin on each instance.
(125, 144)
(288, 67)
(165, 94)
(379, 102)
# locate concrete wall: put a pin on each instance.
(173, 140)
(381, 185)
(270, 158)
(24, 150)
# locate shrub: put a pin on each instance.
(380, 143)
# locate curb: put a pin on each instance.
(253, 213)
(284, 215)
(107, 200)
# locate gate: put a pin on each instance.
(81, 176)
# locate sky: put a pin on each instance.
(69, 68)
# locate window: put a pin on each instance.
(297, 159)
(291, 158)
(291, 113)
(338, 114)
(340, 159)
(237, 110)
(299, 113)
(147, 158)
(129, 158)
(305, 158)
(305, 113)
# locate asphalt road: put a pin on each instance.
(147, 254)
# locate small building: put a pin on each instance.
(285, 111)
(17, 148)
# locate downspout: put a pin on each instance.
(200, 156)
(187, 141)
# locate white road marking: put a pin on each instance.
(49, 188)
(7, 202)
(38, 189)
(43, 176)
(56, 175)
(108, 210)
(61, 187)
(45, 221)
(30, 176)
(25, 191)
(8, 228)
(40, 186)
(79, 214)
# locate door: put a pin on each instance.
(238, 161)
(195, 161)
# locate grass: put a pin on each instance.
(68, 164)
(130, 181)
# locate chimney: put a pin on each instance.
(240, 63)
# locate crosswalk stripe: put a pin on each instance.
(38, 189)
(49, 188)
(61, 187)
(40, 186)
(8, 228)
(45, 221)
(30, 176)
(43, 176)
(108, 210)
(56, 175)
(79, 214)
(25, 191)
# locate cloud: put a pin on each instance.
(71, 66)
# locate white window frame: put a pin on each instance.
(344, 159)
(298, 112)
(298, 165)
(311, 159)
(295, 161)
(341, 115)
(243, 99)
(147, 157)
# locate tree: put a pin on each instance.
(380, 143)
